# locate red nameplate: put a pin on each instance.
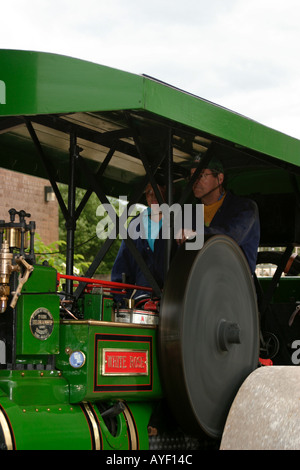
(124, 362)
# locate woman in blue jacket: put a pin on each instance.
(150, 245)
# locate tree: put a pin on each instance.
(54, 257)
(87, 243)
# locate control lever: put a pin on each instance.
(114, 410)
(22, 279)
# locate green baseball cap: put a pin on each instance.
(213, 164)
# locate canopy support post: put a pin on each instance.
(71, 220)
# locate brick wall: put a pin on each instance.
(26, 192)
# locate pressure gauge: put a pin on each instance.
(77, 359)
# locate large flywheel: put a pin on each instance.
(209, 333)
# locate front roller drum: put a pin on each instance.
(265, 414)
(209, 333)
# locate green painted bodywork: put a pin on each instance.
(92, 338)
(43, 422)
(45, 406)
(42, 286)
(40, 426)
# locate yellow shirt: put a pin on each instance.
(210, 211)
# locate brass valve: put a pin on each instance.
(16, 238)
(6, 269)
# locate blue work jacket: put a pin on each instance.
(126, 263)
(238, 218)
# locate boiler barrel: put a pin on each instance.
(62, 427)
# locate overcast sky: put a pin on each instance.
(240, 54)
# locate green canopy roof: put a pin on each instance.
(127, 128)
(59, 95)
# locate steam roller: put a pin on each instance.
(209, 334)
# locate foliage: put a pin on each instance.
(87, 239)
(51, 253)
(87, 243)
